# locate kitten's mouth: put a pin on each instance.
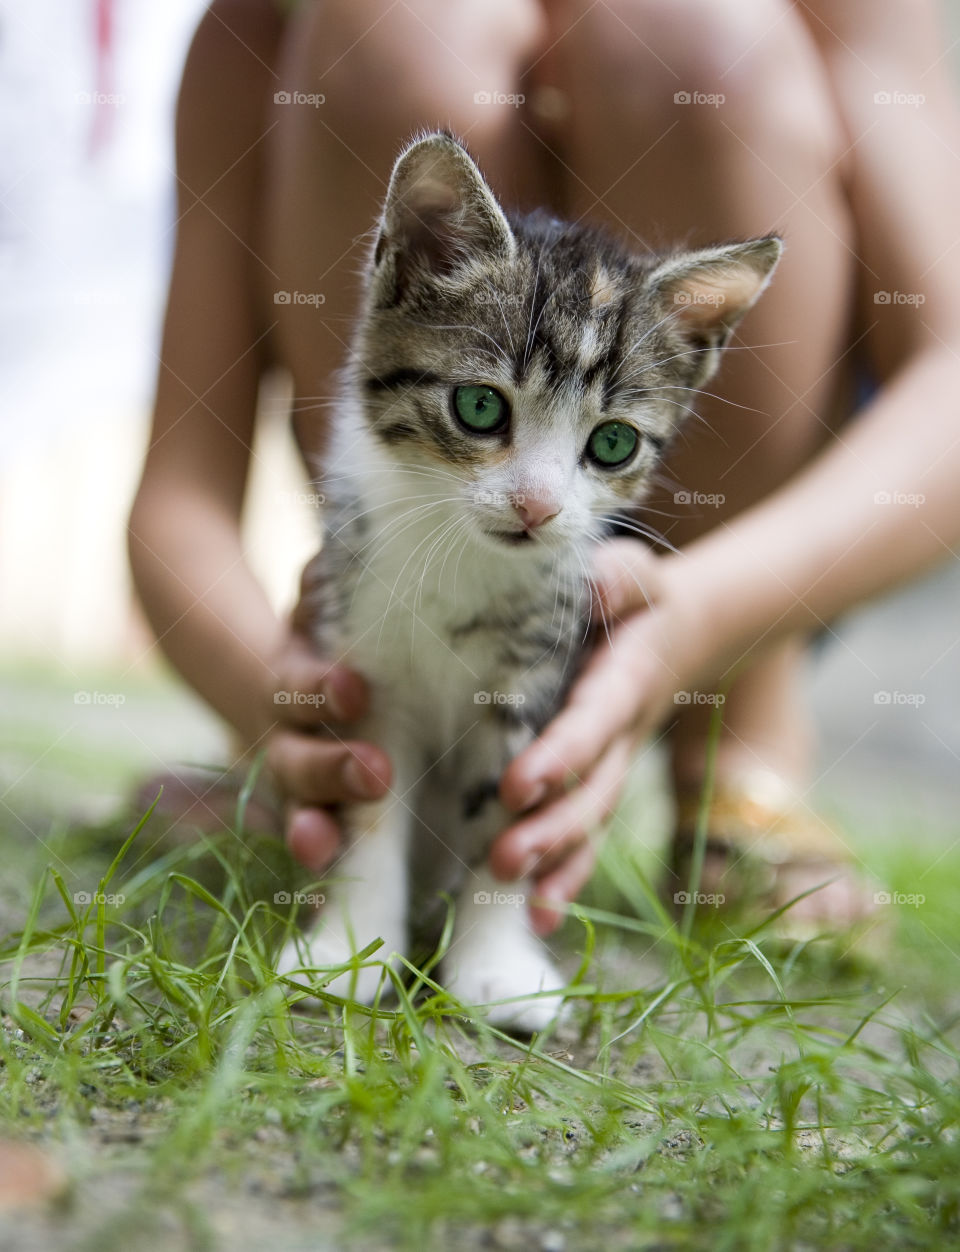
(514, 537)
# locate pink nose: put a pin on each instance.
(535, 510)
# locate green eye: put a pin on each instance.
(613, 443)
(480, 408)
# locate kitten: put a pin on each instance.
(514, 384)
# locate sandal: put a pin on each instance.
(765, 848)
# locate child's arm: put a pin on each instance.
(210, 615)
(876, 507)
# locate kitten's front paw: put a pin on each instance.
(477, 980)
(327, 946)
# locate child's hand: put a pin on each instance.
(572, 776)
(313, 765)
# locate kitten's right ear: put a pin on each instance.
(703, 295)
(439, 213)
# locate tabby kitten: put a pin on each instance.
(514, 384)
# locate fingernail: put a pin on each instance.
(358, 781)
(535, 794)
(334, 701)
(528, 865)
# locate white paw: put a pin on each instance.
(327, 946)
(480, 981)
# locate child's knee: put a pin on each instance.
(417, 65)
(717, 67)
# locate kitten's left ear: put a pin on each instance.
(439, 212)
(704, 295)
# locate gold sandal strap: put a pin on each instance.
(761, 816)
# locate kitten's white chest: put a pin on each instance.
(407, 625)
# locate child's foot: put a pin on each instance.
(764, 848)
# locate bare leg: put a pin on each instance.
(384, 74)
(757, 148)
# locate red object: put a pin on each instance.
(103, 106)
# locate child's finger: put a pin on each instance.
(625, 579)
(314, 771)
(562, 886)
(604, 703)
(310, 691)
(313, 837)
(542, 844)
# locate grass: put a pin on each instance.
(711, 1090)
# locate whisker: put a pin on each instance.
(640, 528)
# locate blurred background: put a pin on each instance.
(87, 704)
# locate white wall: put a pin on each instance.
(85, 242)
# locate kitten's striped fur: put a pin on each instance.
(467, 618)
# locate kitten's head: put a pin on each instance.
(528, 371)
